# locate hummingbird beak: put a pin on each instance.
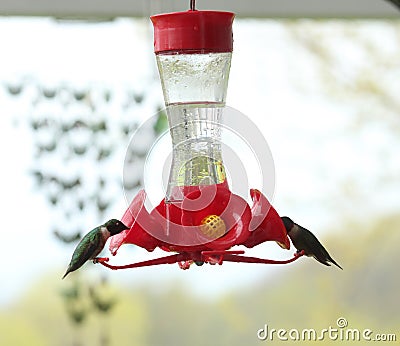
(285, 245)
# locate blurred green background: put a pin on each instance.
(325, 95)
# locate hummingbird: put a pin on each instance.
(92, 243)
(303, 239)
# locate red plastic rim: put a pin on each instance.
(201, 31)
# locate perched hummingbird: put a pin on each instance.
(92, 243)
(303, 239)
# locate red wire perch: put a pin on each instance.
(162, 260)
(246, 259)
(185, 259)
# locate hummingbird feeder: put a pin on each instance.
(200, 219)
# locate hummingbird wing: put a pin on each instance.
(318, 250)
(301, 239)
(305, 240)
(89, 247)
(92, 246)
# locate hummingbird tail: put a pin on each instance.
(66, 273)
(337, 265)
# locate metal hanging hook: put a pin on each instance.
(193, 5)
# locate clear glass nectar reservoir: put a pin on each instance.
(194, 78)
(194, 87)
(193, 53)
(197, 158)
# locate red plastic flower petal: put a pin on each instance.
(141, 226)
(180, 226)
(171, 233)
(217, 200)
(206, 200)
(266, 223)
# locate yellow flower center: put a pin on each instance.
(213, 226)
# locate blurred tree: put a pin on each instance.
(80, 137)
(355, 66)
(335, 50)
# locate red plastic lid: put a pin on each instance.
(193, 30)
